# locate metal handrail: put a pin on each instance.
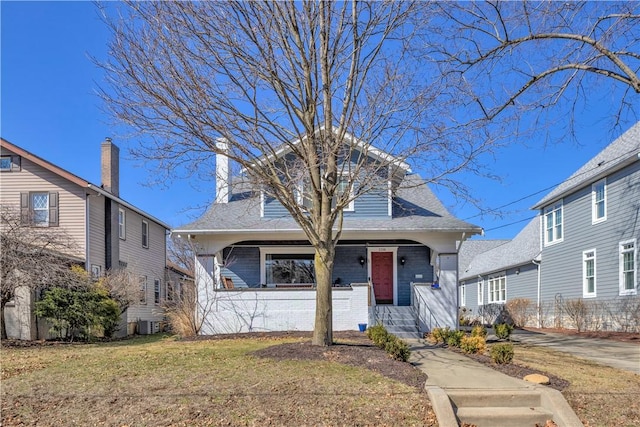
(418, 299)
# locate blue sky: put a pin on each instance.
(49, 107)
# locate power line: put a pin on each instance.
(625, 154)
(512, 223)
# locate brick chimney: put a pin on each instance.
(110, 167)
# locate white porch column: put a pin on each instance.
(448, 280)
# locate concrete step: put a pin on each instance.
(498, 398)
(506, 416)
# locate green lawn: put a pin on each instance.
(158, 381)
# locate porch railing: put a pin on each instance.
(420, 307)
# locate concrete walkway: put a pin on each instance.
(620, 355)
(450, 373)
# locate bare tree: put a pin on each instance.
(530, 56)
(287, 87)
(32, 257)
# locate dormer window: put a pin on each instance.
(343, 187)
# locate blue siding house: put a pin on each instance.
(394, 241)
(590, 231)
(577, 262)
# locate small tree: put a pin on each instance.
(80, 308)
(31, 257)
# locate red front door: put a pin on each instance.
(382, 276)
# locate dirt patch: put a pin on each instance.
(350, 348)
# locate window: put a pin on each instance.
(39, 209)
(96, 271)
(553, 223)
(463, 295)
(122, 225)
(156, 291)
(589, 273)
(303, 193)
(290, 268)
(143, 289)
(145, 234)
(481, 292)
(5, 163)
(10, 163)
(599, 201)
(628, 268)
(343, 187)
(497, 285)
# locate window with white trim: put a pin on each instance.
(553, 224)
(599, 201)
(143, 289)
(282, 265)
(497, 287)
(628, 268)
(463, 295)
(156, 291)
(480, 292)
(343, 187)
(40, 209)
(589, 273)
(145, 234)
(122, 224)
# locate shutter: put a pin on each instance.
(53, 209)
(24, 208)
(15, 163)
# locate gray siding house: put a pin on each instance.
(499, 272)
(108, 233)
(393, 242)
(590, 231)
(577, 262)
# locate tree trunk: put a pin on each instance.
(323, 329)
(3, 325)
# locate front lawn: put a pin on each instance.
(158, 381)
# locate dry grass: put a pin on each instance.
(600, 396)
(157, 381)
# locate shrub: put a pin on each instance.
(394, 346)
(79, 312)
(503, 330)
(502, 353)
(378, 334)
(397, 349)
(479, 331)
(519, 311)
(473, 344)
(440, 334)
(454, 338)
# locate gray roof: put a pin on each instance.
(615, 156)
(415, 207)
(524, 248)
(472, 248)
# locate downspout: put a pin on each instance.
(537, 263)
(88, 234)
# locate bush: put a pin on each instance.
(479, 331)
(454, 338)
(502, 353)
(503, 330)
(379, 335)
(394, 346)
(78, 313)
(473, 344)
(397, 349)
(440, 335)
(519, 311)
